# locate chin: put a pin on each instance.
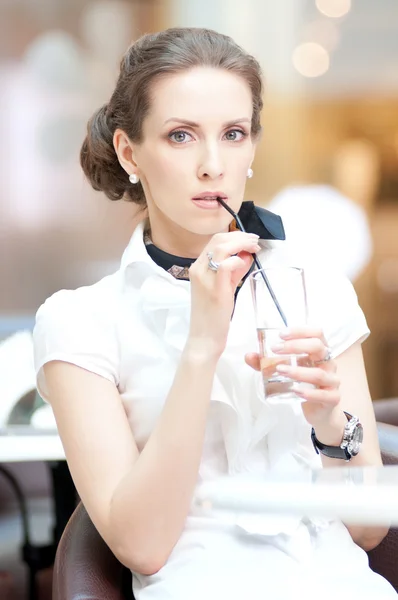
(207, 222)
(209, 226)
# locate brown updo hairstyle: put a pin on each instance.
(153, 56)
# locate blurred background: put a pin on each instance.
(330, 125)
(327, 161)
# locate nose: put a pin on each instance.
(211, 165)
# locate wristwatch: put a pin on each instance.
(350, 444)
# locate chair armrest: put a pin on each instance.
(388, 440)
(386, 411)
(383, 559)
(84, 565)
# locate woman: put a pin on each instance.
(145, 370)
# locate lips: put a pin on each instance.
(210, 196)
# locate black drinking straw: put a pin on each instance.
(256, 261)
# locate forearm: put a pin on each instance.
(150, 505)
(367, 537)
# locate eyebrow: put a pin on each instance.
(193, 124)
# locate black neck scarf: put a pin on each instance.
(255, 219)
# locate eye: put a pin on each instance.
(180, 137)
(235, 135)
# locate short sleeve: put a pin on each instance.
(333, 305)
(72, 327)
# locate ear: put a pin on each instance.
(124, 149)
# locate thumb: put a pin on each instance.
(247, 258)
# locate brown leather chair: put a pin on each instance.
(85, 568)
(386, 410)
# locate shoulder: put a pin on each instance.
(97, 300)
(78, 327)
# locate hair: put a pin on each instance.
(149, 58)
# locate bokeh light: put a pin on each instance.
(56, 60)
(334, 8)
(311, 59)
(106, 27)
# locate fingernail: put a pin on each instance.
(277, 347)
(300, 395)
(296, 388)
(283, 368)
(284, 333)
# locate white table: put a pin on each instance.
(28, 445)
(355, 495)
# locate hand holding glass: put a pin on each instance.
(288, 285)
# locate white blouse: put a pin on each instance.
(131, 328)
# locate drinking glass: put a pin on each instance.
(287, 285)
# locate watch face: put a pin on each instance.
(355, 442)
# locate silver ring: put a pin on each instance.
(327, 358)
(212, 265)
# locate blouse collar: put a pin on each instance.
(255, 219)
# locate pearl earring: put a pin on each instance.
(134, 178)
(249, 173)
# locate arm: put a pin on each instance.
(139, 502)
(355, 399)
(340, 385)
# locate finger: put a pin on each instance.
(234, 268)
(313, 347)
(314, 375)
(247, 259)
(326, 397)
(231, 270)
(230, 236)
(231, 247)
(302, 332)
(232, 263)
(244, 254)
(253, 360)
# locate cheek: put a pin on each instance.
(243, 158)
(236, 169)
(165, 167)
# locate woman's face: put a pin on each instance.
(196, 145)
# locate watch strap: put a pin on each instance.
(331, 451)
